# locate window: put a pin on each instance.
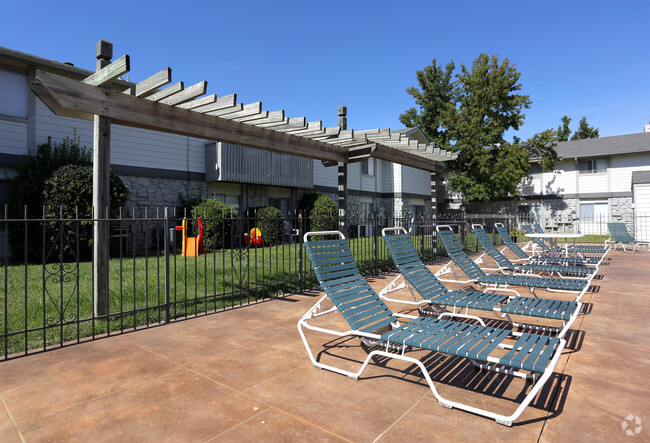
(368, 166)
(593, 211)
(13, 94)
(593, 217)
(592, 166)
(535, 168)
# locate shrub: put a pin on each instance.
(68, 193)
(26, 189)
(217, 223)
(321, 212)
(324, 216)
(270, 221)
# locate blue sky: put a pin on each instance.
(579, 58)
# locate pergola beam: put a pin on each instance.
(149, 85)
(72, 98)
(109, 73)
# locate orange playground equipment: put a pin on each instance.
(191, 246)
(254, 239)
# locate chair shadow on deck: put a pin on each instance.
(448, 371)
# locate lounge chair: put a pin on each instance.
(589, 249)
(501, 282)
(529, 356)
(435, 299)
(559, 259)
(507, 267)
(536, 245)
(619, 236)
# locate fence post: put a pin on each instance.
(167, 252)
(301, 232)
(375, 241)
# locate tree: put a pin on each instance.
(542, 148)
(26, 190)
(470, 115)
(68, 194)
(584, 131)
(563, 131)
(435, 102)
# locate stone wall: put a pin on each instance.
(150, 196)
(159, 192)
(621, 209)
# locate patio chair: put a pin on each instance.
(521, 255)
(435, 299)
(506, 266)
(501, 282)
(525, 355)
(590, 249)
(536, 245)
(619, 236)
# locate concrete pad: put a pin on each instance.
(243, 374)
(44, 383)
(8, 432)
(275, 425)
(178, 407)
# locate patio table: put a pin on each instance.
(554, 236)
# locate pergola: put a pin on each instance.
(189, 112)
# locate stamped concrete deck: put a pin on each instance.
(244, 375)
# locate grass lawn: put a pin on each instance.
(47, 306)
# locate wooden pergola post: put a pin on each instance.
(101, 193)
(434, 195)
(343, 178)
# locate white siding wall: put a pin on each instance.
(13, 137)
(129, 146)
(368, 183)
(384, 176)
(325, 176)
(50, 125)
(354, 176)
(621, 169)
(141, 147)
(415, 181)
(560, 181)
(594, 183)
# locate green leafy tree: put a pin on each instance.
(470, 115)
(541, 147)
(218, 223)
(270, 222)
(584, 131)
(68, 194)
(26, 190)
(435, 100)
(563, 131)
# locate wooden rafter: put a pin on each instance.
(222, 118)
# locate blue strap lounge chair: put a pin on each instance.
(507, 267)
(590, 249)
(537, 245)
(525, 355)
(435, 299)
(523, 256)
(619, 236)
(501, 282)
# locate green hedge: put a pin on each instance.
(68, 193)
(270, 221)
(217, 223)
(320, 211)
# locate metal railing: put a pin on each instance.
(154, 277)
(47, 267)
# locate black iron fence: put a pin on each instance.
(159, 270)
(162, 267)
